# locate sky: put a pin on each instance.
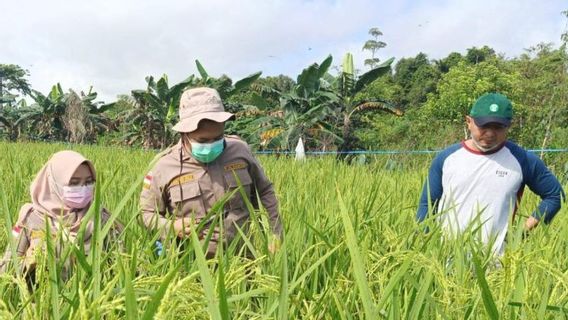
(113, 45)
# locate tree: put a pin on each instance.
(224, 85)
(543, 89)
(12, 81)
(9, 129)
(415, 77)
(156, 111)
(564, 36)
(149, 122)
(302, 112)
(373, 45)
(348, 85)
(444, 65)
(84, 117)
(260, 99)
(476, 55)
(461, 86)
(62, 116)
(44, 119)
(268, 88)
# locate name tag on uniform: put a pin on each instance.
(182, 179)
(235, 166)
(37, 234)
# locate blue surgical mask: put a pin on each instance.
(207, 152)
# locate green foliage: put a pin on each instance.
(263, 94)
(453, 59)
(352, 248)
(415, 79)
(544, 90)
(349, 85)
(373, 45)
(148, 121)
(44, 119)
(331, 112)
(476, 55)
(154, 112)
(12, 81)
(8, 117)
(462, 85)
(224, 85)
(59, 115)
(302, 111)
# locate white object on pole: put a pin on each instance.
(300, 152)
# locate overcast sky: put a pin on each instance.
(113, 44)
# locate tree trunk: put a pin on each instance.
(346, 135)
(346, 132)
(547, 134)
(1, 93)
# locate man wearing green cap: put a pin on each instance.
(477, 184)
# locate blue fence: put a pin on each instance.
(379, 152)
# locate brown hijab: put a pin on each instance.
(47, 189)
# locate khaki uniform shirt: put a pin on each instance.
(28, 236)
(179, 186)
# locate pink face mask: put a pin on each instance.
(78, 197)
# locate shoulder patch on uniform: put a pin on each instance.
(148, 180)
(182, 179)
(16, 230)
(235, 166)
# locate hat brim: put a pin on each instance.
(190, 124)
(483, 121)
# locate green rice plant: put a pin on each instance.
(352, 250)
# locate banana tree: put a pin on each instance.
(8, 117)
(96, 112)
(155, 112)
(348, 85)
(304, 111)
(157, 107)
(44, 118)
(12, 83)
(224, 85)
(227, 89)
(85, 118)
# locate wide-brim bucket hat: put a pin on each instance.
(198, 104)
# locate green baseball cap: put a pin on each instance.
(492, 108)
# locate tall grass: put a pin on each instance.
(352, 250)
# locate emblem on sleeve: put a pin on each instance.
(16, 230)
(147, 181)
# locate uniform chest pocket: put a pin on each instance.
(185, 199)
(234, 179)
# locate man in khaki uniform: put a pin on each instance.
(193, 175)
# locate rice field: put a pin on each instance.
(352, 250)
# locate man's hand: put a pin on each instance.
(531, 223)
(182, 227)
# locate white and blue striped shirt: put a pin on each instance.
(470, 189)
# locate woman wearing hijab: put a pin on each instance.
(61, 195)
